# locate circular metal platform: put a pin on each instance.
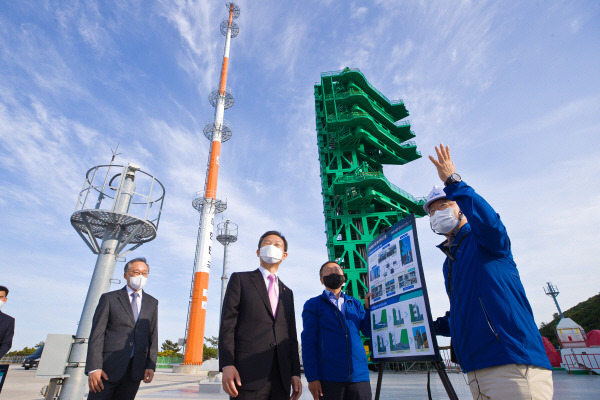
(236, 9)
(209, 129)
(200, 201)
(226, 239)
(99, 222)
(213, 98)
(227, 232)
(235, 29)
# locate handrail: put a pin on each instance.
(361, 176)
(582, 361)
(350, 114)
(339, 72)
(347, 93)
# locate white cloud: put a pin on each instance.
(575, 25)
(197, 24)
(357, 12)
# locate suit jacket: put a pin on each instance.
(250, 334)
(7, 331)
(115, 333)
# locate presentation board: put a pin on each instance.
(3, 372)
(401, 324)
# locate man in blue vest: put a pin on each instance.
(494, 335)
(334, 359)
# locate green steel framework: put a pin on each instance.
(358, 131)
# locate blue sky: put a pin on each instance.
(512, 87)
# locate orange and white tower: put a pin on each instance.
(207, 203)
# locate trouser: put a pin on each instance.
(272, 389)
(511, 381)
(125, 389)
(346, 390)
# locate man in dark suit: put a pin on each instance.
(7, 325)
(123, 343)
(258, 344)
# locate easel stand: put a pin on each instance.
(439, 366)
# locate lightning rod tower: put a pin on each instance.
(553, 292)
(227, 233)
(207, 203)
(131, 220)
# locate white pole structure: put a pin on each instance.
(118, 227)
(227, 234)
(208, 204)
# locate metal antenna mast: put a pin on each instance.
(112, 160)
(553, 292)
(207, 203)
(132, 219)
(227, 233)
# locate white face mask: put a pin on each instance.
(444, 221)
(137, 282)
(271, 254)
(1, 303)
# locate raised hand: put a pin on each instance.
(445, 166)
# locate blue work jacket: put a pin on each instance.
(490, 320)
(331, 346)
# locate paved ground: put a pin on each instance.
(23, 385)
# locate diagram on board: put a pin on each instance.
(400, 316)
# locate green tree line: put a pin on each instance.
(172, 349)
(168, 349)
(25, 351)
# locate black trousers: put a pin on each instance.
(272, 390)
(346, 390)
(125, 389)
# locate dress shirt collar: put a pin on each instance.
(265, 273)
(339, 303)
(330, 295)
(130, 291)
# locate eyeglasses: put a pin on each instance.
(439, 207)
(136, 273)
(279, 244)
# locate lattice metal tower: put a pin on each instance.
(227, 233)
(132, 219)
(357, 133)
(553, 292)
(207, 203)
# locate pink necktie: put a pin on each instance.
(273, 293)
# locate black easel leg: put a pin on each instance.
(439, 366)
(379, 377)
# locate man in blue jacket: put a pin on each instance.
(494, 335)
(334, 359)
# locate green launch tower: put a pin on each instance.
(358, 132)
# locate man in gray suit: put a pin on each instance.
(123, 343)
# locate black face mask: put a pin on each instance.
(334, 281)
